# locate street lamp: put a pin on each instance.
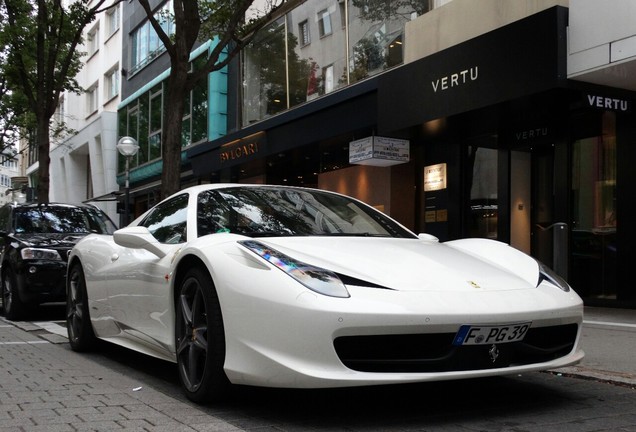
(127, 147)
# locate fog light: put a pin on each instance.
(33, 269)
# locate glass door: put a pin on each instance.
(543, 223)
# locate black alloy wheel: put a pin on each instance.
(78, 322)
(200, 338)
(13, 307)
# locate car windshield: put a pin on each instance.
(61, 220)
(270, 211)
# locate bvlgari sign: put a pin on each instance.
(378, 151)
(242, 149)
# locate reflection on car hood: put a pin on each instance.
(411, 264)
(50, 240)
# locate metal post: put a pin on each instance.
(560, 245)
(127, 193)
(127, 147)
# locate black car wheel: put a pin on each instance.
(14, 309)
(78, 322)
(200, 338)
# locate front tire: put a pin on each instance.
(200, 338)
(78, 321)
(14, 309)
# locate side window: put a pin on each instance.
(168, 221)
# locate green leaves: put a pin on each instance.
(39, 56)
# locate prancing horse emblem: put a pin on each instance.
(493, 352)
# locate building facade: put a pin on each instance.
(9, 173)
(518, 122)
(84, 159)
(146, 68)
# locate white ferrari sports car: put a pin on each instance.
(292, 287)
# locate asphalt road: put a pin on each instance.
(46, 386)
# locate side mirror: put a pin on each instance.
(138, 237)
(428, 237)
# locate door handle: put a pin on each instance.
(559, 225)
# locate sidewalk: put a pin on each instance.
(44, 387)
(609, 342)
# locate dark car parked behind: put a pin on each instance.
(35, 240)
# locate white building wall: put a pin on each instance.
(9, 168)
(602, 42)
(460, 20)
(95, 130)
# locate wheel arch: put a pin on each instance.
(75, 260)
(185, 264)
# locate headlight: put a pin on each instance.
(41, 254)
(316, 279)
(547, 274)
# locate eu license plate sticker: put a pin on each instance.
(482, 335)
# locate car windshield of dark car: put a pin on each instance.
(61, 220)
(270, 211)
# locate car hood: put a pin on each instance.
(415, 264)
(50, 240)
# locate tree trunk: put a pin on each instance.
(44, 158)
(173, 115)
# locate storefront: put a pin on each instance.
(502, 146)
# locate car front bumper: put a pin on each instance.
(41, 281)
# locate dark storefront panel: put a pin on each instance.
(505, 64)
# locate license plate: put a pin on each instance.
(482, 335)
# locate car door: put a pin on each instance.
(139, 290)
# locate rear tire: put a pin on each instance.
(13, 307)
(81, 336)
(200, 338)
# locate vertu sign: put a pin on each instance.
(608, 103)
(455, 79)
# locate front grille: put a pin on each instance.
(436, 353)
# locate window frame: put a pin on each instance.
(304, 34)
(92, 99)
(324, 17)
(111, 92)
(92, 40)
(112, 20)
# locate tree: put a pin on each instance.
(12, 110)
(41, 39)
(223, 21)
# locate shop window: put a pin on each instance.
(282, 69)
(484, 207)
(144, 122)
(594, 212)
